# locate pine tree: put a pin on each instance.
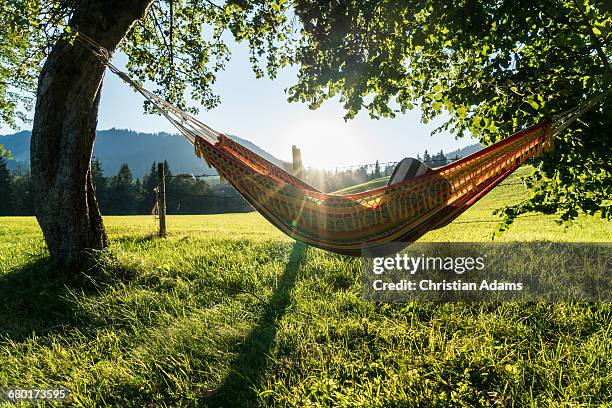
(443, 159)
(167, 171)
(439, 159)
(122, 193)
(22, 191)
(97, 174)
(361, 174)
(377, 170)
(172, 185)
(427, 158)
(100, 184)
(6, 194)
(138, 196)
(149, 183)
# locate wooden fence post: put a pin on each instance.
(298, 169)
(161, 199)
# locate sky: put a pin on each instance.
(257, 110)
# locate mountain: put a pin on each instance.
(466, 151)
(261, 152)
(117, 146)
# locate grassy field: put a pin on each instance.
(379, 182)
(228, 312)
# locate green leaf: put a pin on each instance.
(462, 112)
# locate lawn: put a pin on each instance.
(228, 312)
(369, 185)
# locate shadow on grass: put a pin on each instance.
(33, 301)
(36, 298)
(237, 390)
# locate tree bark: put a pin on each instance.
(64, 130)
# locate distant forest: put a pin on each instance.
(123, 194)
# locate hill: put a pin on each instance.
(116, 146)
(368, 185)
(465, 151)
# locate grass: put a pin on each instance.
(368, 185)
(228, 312)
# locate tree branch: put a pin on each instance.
(171, 36)
(214, 5)
(159, 28)
(596, 42)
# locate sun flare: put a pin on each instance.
(326, 143)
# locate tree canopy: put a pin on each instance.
(492, 67)
(179, 45)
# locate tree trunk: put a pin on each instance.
(64, 130)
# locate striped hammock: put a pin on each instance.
(400, 212)
(396, 213)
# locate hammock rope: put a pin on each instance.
(397, 213)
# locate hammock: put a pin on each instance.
(401, 212)
(344, 224)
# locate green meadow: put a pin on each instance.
(228, 312)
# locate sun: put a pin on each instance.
(325, 143)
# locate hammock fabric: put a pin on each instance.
(400, 212)
(396, 213)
